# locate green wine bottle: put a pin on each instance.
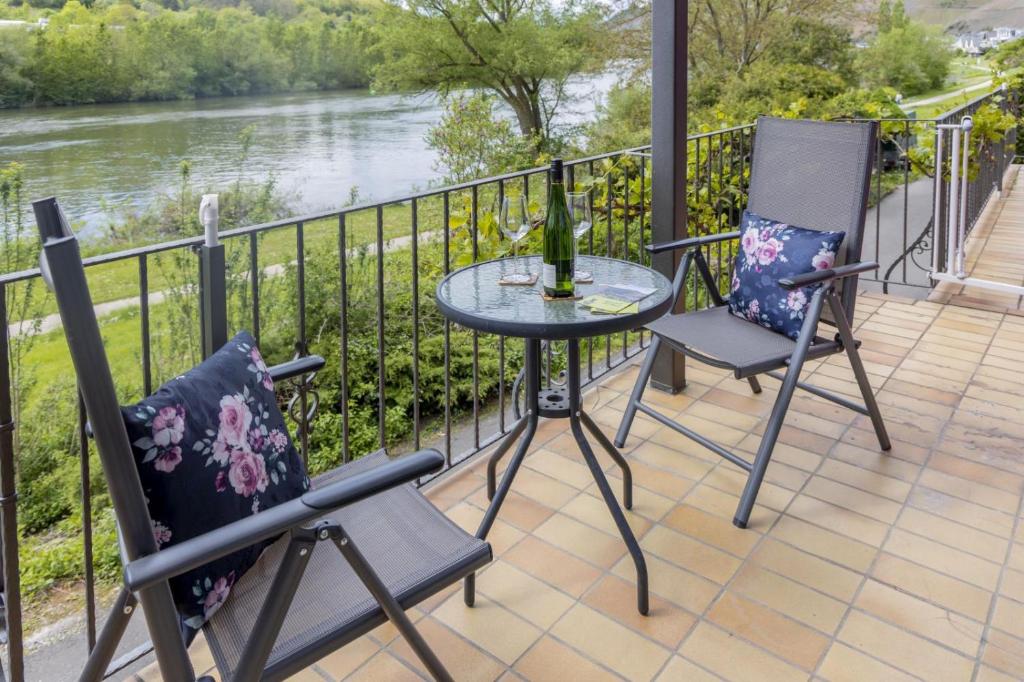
(558, 272)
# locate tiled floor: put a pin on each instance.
(995, 252)
(858, 565)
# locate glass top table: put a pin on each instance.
(473, 298)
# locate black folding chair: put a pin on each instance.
(355, 551)
(808, 173)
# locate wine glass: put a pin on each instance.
(514, 220)
(579, 213)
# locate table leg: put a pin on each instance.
(575, 420)
(528, 426)
(500, 451)
(627, 474)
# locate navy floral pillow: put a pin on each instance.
(771, 251)
(212, 447)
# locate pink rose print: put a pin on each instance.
(168, 459)
(235, 420)
(796, 301)
(768, 251)
(279, 440)
(161, 533)
(261, 367)
(753, 310)
(248, 473)
(221, 482)
(169, 425)
(221, 450)
(256, 440)
(823, 260)
(217, 595)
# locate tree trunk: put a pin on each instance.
(530, 123)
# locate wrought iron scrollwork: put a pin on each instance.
(304, 402)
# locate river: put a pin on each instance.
(100, 160)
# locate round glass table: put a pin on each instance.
(472, 297)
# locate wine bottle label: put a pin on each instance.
(547, 275)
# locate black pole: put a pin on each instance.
(213, 292)
(668, 137)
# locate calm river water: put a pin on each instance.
(318, 146)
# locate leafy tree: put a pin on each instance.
(524, 51)
(912, 58)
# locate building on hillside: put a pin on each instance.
(980, 42)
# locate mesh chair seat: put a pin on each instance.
(414, 548)
(745, 346)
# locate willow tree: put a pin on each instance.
(524, 51)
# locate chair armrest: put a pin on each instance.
(175, 560)
(691, 242)
(821, 276)
(296, 367)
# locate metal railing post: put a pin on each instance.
(9, 510)
(213, 280)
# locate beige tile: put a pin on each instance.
(489, 626)
(523, 594)
(723, 504)
(962, 511)
(845, 664)
(787, 639)
(544, 489)
(523, 512)
(695, 556)
(712, 529)
(463, 660)
(929, 621)
(832, 546)
(551, 661)
(681, 669)
(824, 576)
(984, 545)
(859, 501)
(862, 528)
(789, 597)
(734, 659)
(933, 586)
(588, 543)
(981, 494)
(865, 479)
(680, 587)
(594, 512)
(611, 644)
(953, 562)
(903, 650)
(1013, 585)
(1005, 653)
(383, 666)
(345, 660)
(1009, 616)
(665, 622)
(555, 566)
(559, 468)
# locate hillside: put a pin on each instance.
(976, 14)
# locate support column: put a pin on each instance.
(668, 139)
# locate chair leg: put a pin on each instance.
(771, 433)
(850, 346)
(638, 392)
(394, 611)
(110, 636)
(755, 385)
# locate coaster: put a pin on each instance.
(560, 298)
(526, 283)
(588, 280)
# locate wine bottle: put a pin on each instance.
(558, 270)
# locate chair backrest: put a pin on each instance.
(62, 268)
(816, 175)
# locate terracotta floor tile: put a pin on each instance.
(658, 480)
(524, 595)
(551, 661)
(1013, 585)
(867, 530)
(712, 529)
(667, 580)
(1009, 616)
(383, 666)
(824, 576)
(501, 633)
(681, 456)
(953, 562)
(1004, 652)
(555, 566)
(845, 664)
(593, 511)
(971, 491)
(724, 505)
(597, 547)
(502, 535)
(786, 638)
(666, 623)
(962, 511)
(933, 586)
(789, 597)
(520, 511)
(611, 644)
(681, 669)
(734, 659)
(345, 660)
(987, 674)
(463, 660)
(865, 479)
(954, 534)
(544, 489)
(903, 650)
(863, 503)
(776, 490)
(929, 621)
(559, 468)
(690, 554)
(824, 543)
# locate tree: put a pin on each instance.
(912, 58)
(524, 51)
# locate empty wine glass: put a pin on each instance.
(514, 220)
(579, 213)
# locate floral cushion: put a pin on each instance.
(212, 447)
(771, 251)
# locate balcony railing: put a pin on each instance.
(398, 374)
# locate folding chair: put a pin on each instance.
(808, 173)
(355, 551)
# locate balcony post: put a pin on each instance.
(668, 139)
(212, 280)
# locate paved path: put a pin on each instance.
(939, 98)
